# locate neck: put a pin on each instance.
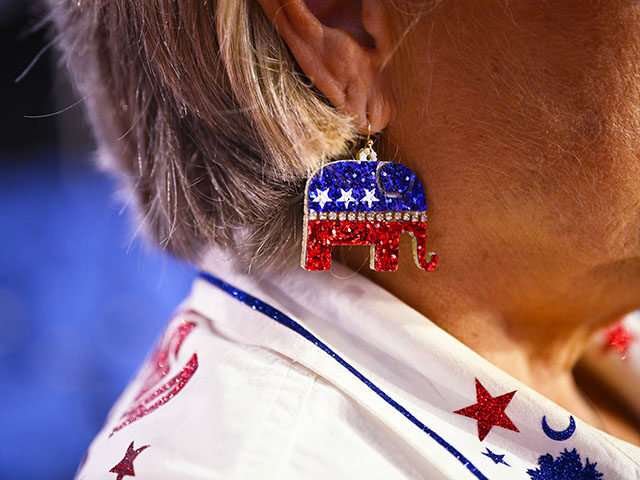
(536, 344)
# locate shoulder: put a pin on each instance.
(201, 403)
(230, 393)
(209, 405)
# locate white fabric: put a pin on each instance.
(266, 403)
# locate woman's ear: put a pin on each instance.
(342, 46)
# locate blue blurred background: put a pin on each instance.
(81, 299)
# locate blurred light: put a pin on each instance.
(12, 322)
(79, 311)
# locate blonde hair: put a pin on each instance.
(202, 110)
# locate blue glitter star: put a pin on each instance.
(495, 457)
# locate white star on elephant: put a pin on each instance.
(369, 197)
(346, 197)
(322, 197)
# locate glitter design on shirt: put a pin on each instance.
(559, 435)
(125, 467)
(159, 396)
(159, 363)
(567, 466)
(489, 411)
(619, 339)
(498, 459)
(158, 367)
(283, 319)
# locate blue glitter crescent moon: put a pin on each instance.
(559, 435)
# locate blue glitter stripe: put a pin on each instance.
(290, 323)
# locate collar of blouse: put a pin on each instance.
(453, 391)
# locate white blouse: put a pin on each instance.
(326, 375)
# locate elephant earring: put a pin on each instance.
(364, 202)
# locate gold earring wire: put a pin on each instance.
(367, 152)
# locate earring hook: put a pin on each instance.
(368, 142)
(367, 152)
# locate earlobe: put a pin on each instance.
(341, 46)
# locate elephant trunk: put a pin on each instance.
(424, 259)
(429, 264)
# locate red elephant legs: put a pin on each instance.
(383, 237)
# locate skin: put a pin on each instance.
(522, 120)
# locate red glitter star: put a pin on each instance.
(125, 467)
(618, 339)
(489, 411)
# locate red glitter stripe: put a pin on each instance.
(383, 237)
(168, 390)
(159, 363)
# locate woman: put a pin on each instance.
(521, 121)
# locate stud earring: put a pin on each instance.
(364, 202)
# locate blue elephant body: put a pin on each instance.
(365, 186)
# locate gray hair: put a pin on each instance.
(202, 111)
